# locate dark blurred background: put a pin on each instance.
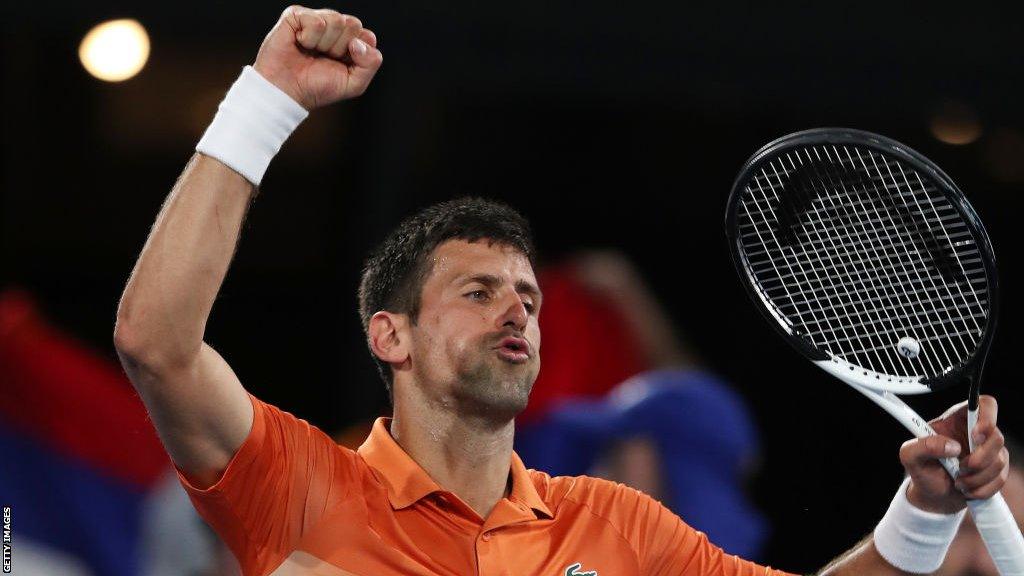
(608, 125)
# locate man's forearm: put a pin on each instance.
(164, 308)
(863, 558)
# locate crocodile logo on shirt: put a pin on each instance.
(572, 571)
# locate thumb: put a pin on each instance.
(931, 487)
(923, 452)
(366, 59)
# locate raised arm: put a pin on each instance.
(310, 59)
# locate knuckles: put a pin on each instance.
(907, 451)
(1003, 459)
(322, 19)
(333, 19)
(337, 20)
(352, 22)
(291, 11)
(992, 453)
(998, 438)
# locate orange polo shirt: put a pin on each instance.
(292, 501)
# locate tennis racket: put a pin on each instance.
(866, 257)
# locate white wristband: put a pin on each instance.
(912, 539)
(252, 122)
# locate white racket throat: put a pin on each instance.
(853, 374)
(886, 399)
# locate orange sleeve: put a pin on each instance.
(276, 487)
(667, 546)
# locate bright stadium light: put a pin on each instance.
(115, 50)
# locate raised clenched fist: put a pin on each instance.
(319, 57)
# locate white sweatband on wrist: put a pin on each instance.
(912, 539)
(252, 122)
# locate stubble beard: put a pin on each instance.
(493, 388)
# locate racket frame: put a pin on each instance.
(996, 523)
(969, 372)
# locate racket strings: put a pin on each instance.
(876, 252)
(866, 345)
(857, 251)
(858, 183)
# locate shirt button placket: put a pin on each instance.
(485, 555)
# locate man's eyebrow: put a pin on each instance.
(525, 287)
(490, 280)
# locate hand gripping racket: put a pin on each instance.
(866, 257)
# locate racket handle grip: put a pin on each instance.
(992, 516)
(972, 421)
(999, 530)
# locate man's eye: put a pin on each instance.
(478, 295)
(529, 306)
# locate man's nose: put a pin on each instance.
(515, 314)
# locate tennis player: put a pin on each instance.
(449, 303)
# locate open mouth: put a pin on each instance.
(514, 350)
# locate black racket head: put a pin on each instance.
(861, 251)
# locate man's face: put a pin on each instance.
(476, 344)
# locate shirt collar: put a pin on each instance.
(407, 482)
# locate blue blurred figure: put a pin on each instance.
(683, 437)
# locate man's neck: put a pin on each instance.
(467, 456)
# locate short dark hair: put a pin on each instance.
(395, 271)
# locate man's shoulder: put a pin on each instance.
(281, 435)
(541, 478)
(601, 497)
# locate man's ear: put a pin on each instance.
(389, 338)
